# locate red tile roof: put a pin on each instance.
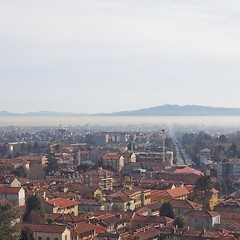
(183, 170)
(62, 202)
(10, 190)
(112, 156)
(46, 228)
(173, 193)
(82, 227)
(186, 204)
(201, 213)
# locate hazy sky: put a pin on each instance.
(112, 55)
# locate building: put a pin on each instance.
(83, 231)
(229, 205)
(119, 203)
(229, 168)
(89, 205)
(16, 195)
(204, 157)
(114, 160)
(183, 173)
(34, 160)
(168, 195)
(9, 181)
(99, 178)
(49, 231)
(180, 207)
(61, 205)
(129, 157)
(199, 219)
(141, 197)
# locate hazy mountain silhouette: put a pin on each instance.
(176, 110)
(164, 110)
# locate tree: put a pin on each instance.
(37, 172)
(82, 168)
(223, 138)
(26, 234)
(202, 192)
(34, 210)
(233, 151)
(179, 221)
(166, 210)
(20, 172)
(53, 165)
(7, 226)
(166, 236)
(131, 146)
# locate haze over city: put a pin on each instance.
(105, 56)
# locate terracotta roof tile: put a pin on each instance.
(10, 190)
(46, 228)
(201, 213)
(62, 202)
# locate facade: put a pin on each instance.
(141, 197)
(9, 181)
(114, 223)
(34, 160)
(204, 156)
(49, 232)
(229, 168)
(99, 178)
(89, 205)
(114, 160)
(229, 205)
(61, 205)
(16, 195)
(119, 203)
(129, 157)
(183, 174)
(198, 219)
(168, 195)
(180, 207)
(83, 231)
(214, 199)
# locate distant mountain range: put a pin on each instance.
(164, 110)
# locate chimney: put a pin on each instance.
(203, 231)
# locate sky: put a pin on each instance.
(92, 56)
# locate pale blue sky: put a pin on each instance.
(112, 55)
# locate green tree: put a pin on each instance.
(52, 165)
(166, 210)
(202, 191)
(82, 168)
(26, 234)
(179, 221)
(233, 151)
(166, 236)
(20, 171)
(34, 210)
(7, 226)
(223, 138)
(37, 173)
(131, 146)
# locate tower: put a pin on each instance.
(163, 145)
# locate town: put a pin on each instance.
(65, 183)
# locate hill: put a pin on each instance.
(164, 110)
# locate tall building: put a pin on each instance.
(229, 168)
